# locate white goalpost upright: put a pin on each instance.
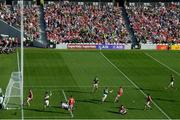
(22, 59)
(14, 91)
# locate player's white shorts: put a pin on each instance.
(64, 105)
(95, 85)
(46, 102)
(123, 111)
(104, 96)
(172, 83)
(148, 103)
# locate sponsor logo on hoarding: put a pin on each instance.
(175, 47)
(81, 46)
(162, 47)
(110, 47)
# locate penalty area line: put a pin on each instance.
(134, 84)
(66, 101)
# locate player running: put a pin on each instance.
(119, 94)
(171, 84)
(46, 99)
(71, 103)
(30, 97)
(149, 100)
(95, 84)
(105, 94)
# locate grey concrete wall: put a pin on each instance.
(9, 30)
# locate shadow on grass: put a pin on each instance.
(93, 101)
(168, 100)
(90, 101)
(57, 107)
(77, 91)
(130, 108)
(114, 112)
(42, 110)
(147, 89)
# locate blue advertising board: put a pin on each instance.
(110, 47)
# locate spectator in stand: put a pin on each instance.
(156, 24)
(11, 15)
(69, 22)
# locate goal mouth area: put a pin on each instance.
(12, 97)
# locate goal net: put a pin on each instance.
(12, 98)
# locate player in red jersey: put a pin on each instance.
(149, 100)
(119, 94)
(30, 97)
(71, 103)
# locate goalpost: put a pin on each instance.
(14, 91)
(12, 97)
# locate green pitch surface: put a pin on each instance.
(66, 73)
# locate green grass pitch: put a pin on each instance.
(72, 71)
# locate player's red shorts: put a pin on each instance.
(71, 106)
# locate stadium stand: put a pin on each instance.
(11, 15)
(84, 22)
(69, 22)
(155, 22)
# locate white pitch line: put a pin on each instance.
(66, 101)
(133, 84)
(162, 64)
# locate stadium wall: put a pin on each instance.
(9, 30)
(94, 46)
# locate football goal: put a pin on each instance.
(12, 95)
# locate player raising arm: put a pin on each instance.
(149, 100)
(119, 94)
(30, 97)
(95, 84)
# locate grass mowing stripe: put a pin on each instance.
(47, 117)
(133, 83)
(34, 86)
(18, 60)
(162, 64)
(67, 101)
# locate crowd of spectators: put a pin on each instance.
(68, 22)
(12, 15)
(156, 23)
